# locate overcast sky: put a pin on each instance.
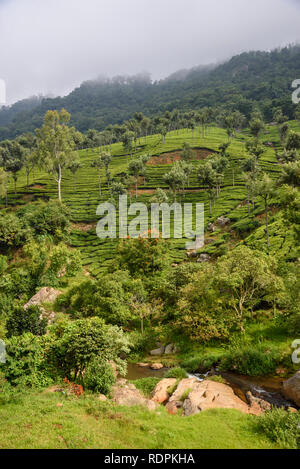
(51, 46)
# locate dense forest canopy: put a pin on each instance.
(238, 84)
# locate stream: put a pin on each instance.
(268, 389)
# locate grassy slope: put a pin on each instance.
(98, 254)
(35, 421)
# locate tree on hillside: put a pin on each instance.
(255, 148)
(297, 114)
(29, 143)
(265, 189)
(4, 180)
(251, 170)
(283, 132)
(74, 167)
(145, 125)
(107, 159)
(12, 156)
(127, 141)
(291, 174)
(56, 144)
(256, 127)
(136, 169)
(98, 164)
(175, 179)
(208, 177)
(187, 152)
(219, 164)
(246, 277)
(293, 141)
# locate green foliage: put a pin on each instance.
(26, 361)
(13, 233)
(280, 427)
(83, 340)
(23, 320)
(178, 373)
(247, 277)
(251, 360)
(51, 265)
(142, 256)
(99, 376)
(203, 362)
(109, 298)
(146, 385)
(51, 218)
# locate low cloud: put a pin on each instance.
(51, 46)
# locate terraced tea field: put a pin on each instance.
(83, 197)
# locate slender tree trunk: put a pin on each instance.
(100, 191)
(267, 224)
(59, 183)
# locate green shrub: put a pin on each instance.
(217, 379)
(246, 225)
(178, 373)
(13, 233)
(146, 385)
(99, 377)
(29, 320)
(26, 363)
(46, 218)
(281, 427)
(252, 360)
(201, 363)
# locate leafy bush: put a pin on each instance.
(281, 427)
(29, 320)
(146, 385)
(252, 360)
(178, 373)
(140, 343)
(142, 256)
(99, 376)
(46, 218)
(246, 225)
(201, 363)
(13, 233)
(26, 361)
(80, 342)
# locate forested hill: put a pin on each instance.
(246, 79)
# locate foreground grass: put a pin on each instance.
(35, 421)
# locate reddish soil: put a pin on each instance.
(82, 227)
(37, 186)
(170, 158)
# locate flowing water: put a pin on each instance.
(268, 389)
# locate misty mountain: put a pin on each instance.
(245, 80)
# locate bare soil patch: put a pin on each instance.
(83, 227)
(37, 186)
(170, 158)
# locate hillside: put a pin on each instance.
(238, 84)
(97, 254)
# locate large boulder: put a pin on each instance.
(177, 398)
(126, 394)
(156, 366)
(212, 395)
(45, 295)
(170, 349)
(160, 393)
(203, 258)
(158, 351)
(291, 388)
(223, 221)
